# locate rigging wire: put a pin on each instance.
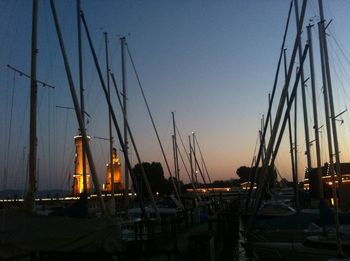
(334, 65)
(94, 98)
(20, 136)
(154, 126)
(183, 145)
(186, 153)
(55, 138)
(64, 142)
(340, 48)
(188, 174)
(67, 173)
(14, 28)
(9, 133)
(49, 172)
(51, 48)
(188, 158)
(341, 66)
(205, 166)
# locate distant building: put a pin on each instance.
(78, 182)
(118, 183)
(311, 179)
(246, 185)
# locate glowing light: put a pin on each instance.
(78, 185)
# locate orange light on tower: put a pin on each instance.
(78, 184)
(117, 170)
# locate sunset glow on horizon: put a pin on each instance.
(211, 62)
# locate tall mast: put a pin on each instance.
(257, 162)
(326, 89)
(126, 191)
(330, 92)
(191, 165)
(203, 161)
(296, 171)
(296, 174)
(33, 111)
(77, 107)
(278, 116)
(109, 121)
(261, 139)
(81, 84)
(269, 117)
(194, 156)
(143, 172)
(176, 161)
(154, 125)
(290, 136)
(314, 107)
(303, 95)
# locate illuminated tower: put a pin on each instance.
(78, 184)
(118, 183)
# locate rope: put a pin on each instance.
(49, 139)
(188, 158)
(10, 131)
(67, 174)
(188, 174)
(154, 126)
(20, 137)
(205, 165)
(64, 141)
(341, 49)
(183, 145)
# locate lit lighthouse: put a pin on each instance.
(78, 184)
(118, 183)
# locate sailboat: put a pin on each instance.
(280, 242)
(25, 233)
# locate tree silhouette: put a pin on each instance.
(246, 174)
(243, 173)
(155, 175)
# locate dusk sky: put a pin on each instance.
(212, 62)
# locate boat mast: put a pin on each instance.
(119, 134)
(257, 162)
(330, 92)
(183, 163)
(262, 122)
(110, 122)
(81, 84)
(190, 158)
(202, 158)
(153, 124)
(176, 160)
(143, 172)
(126, 190)
(296, 173)
(326, 89)
(314, 107)
(33, 110)
(278, 116)
(270, 115)
(201, 173)
(291, 136)
(194, 156)
(303, 95)
(77, 108)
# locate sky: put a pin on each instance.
(211, 62)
